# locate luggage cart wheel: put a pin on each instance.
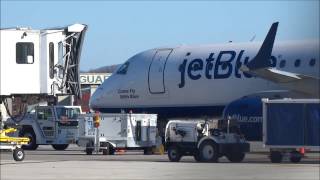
(18, 154)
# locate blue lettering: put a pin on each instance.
(224, 65)
(209, 66)
(182, 69)
(238, 65)
(194, 66)
(222, 68)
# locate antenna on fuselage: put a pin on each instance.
(254, 37)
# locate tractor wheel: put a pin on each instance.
(174, 154)
(32, 143)
(60, 147)
(209, 151)
(18, 154)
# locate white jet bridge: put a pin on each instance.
(39, 65)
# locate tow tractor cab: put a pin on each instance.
(206, 140)
(50, 125)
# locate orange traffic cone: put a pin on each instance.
(302, 151)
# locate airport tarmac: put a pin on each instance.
(46, 163)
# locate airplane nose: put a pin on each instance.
(95, 99)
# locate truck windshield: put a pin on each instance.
(70, 113)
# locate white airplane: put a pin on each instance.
(198, 81)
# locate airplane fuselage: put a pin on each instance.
(197, 80)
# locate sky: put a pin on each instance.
(120, 29)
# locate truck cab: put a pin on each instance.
(50, 125)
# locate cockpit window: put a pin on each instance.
(123, 69)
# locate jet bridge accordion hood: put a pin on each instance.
(72, 74)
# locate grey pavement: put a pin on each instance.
(47, 164)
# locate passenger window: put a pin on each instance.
(24, 53)
(123, 69)
(51, 60)
(297, 63)
(282, 63)
(273, 61)
(312, 62)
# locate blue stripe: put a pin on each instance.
(171, 112)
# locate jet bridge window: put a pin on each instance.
(51, 60)
(24, 53)
(123, 69)
(60, 58)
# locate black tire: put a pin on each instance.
(276, 156)
(236, 156)
(147, 151)
(33, 141)
(18, 154)
(89, 151)
(111, 150)
(105, 148)
(60, 147)
(209, 151)
(105, 151)
(197, 156)
(89, 148)
(174, 154)
(295, 156)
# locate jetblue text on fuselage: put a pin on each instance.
(213, 68)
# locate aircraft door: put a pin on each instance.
(156, 71)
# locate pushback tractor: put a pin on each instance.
(49, 125)
(207, 141)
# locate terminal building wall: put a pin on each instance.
(89, 84)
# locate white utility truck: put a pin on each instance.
(108, 132)
(37, 66)
(49, 125)
(207, 141)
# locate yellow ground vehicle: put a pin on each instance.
(13, 143)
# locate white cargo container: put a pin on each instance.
(118, 131)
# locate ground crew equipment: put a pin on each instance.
(13, 143)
